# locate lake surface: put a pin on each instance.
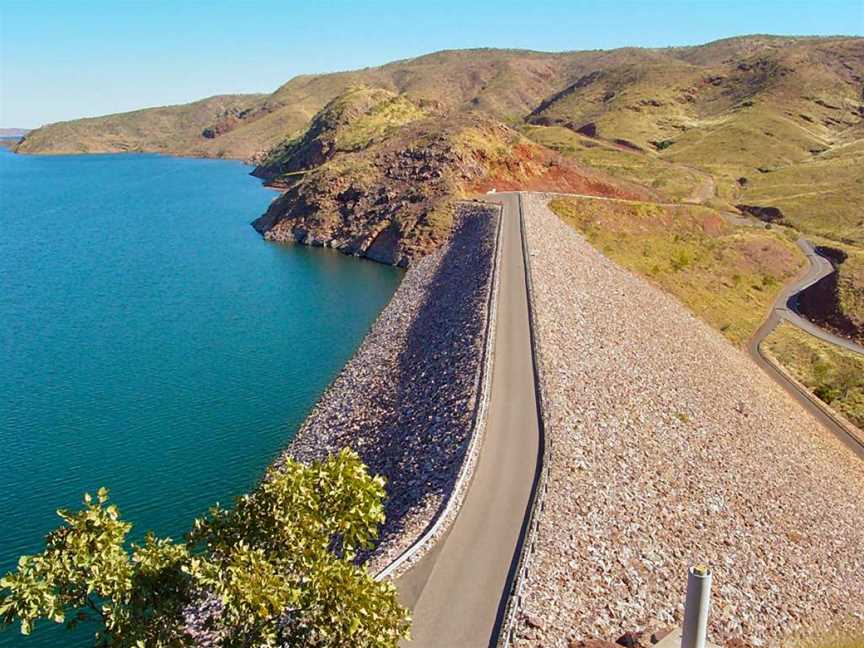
(151, 342)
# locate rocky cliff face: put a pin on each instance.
(390, 206)
(376, 175)
(752, 115)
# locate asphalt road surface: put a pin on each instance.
(457, 591)
(819, 267)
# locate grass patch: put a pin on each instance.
(823, 196)
(850, 285)
(375, 125)
(834, 375)
(739, 142)
(350, 123)
(675, 181)
(835, 639)
(361, 170)
(726, 275)
(489, 145)
(839, 642)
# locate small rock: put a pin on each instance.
(591, 643)
(737, 643)
(659, 635)
(630, 640)
(534, 621)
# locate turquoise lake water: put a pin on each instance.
(151, 341)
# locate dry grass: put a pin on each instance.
(841, 642)
(379, 122)
(735, 145)
(835, 639)
(851, 286)
(675, 181)
(728, 276)
(168, 129)
(834, 375)
(823, 195)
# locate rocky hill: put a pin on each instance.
(13, 132)
(767, 125)
(376, 174)
(188, 129)
(500, 82)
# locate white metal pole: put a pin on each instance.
(696, 607)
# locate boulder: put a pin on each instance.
(737, 642)
(766, 214)
(589, 129)
(631, 640)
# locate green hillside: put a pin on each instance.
(756, 120)
(749, 123)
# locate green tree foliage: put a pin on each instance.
(280, 567)
(836, 382)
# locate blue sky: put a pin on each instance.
(61, 60)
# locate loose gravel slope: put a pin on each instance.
(406, 400)
(669, 446)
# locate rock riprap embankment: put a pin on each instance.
(405, 402)
(669, 447)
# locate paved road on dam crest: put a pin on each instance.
(457, 590)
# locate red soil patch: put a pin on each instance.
(766, 257)
(714, 225)
(533, 168)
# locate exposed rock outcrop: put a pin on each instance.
(376, 175)
(391, 203)
(766, 214)
(232, 118)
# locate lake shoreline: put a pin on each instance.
(147, 327)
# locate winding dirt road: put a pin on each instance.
(458, 590)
